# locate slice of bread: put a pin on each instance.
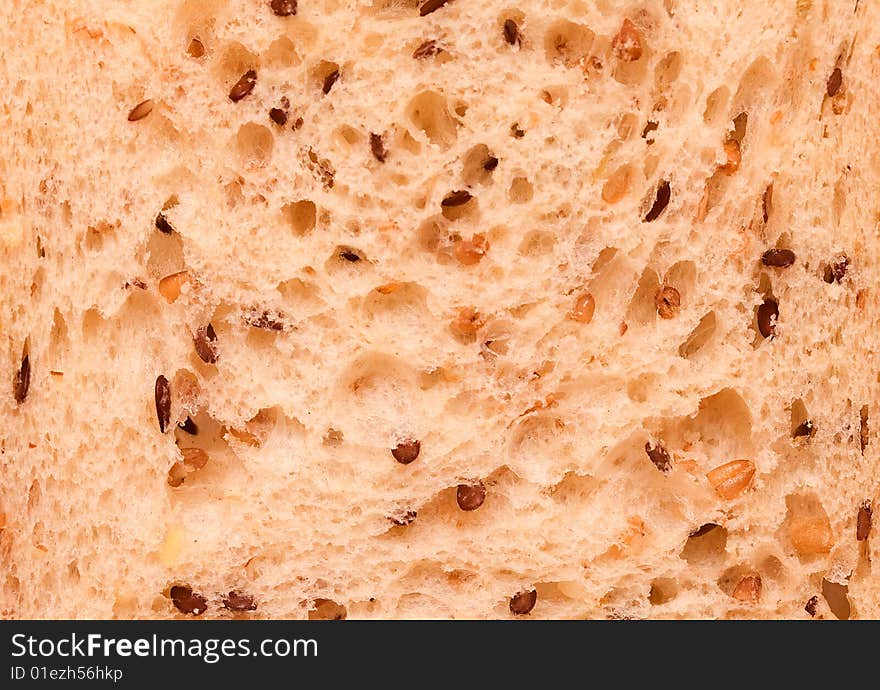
(466, 309)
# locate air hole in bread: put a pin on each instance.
(574, 488)
(716, 105)
(537, 243)
(642, 308)
(324, 75)
(234, 61)
(567, 42)
(281, 53)
(429, 113)
(836, 595)
(667, 70)
(699, 337)
(663, 590)
(478, 165)
(731, 577)
(164, 255)
(96, 235)
(706, 546)
(399, 307)
(801, 425)
(759, 79)
(521, 190)
(618, 184)
(348, 137)
(254, 144)
(301, 215)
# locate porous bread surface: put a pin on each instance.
(325, 364)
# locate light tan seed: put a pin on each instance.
(668, 302)
(627, 44)
(734, 157)
(140, 111)
(583, 309)
(194, 458)
(811, 536)
(731, 479)
(748, 589)
(169, 286)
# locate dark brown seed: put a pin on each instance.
(297, 124)
(470, 496)
(863, 521)
(140, 111)
(163, 402)
(196, 48)
(204, 342)
(405, 518)
(189, 426)
(188, 601)
(264, 321)
(516, 131)
(22, 380)
(804, 429)
(278, 116)
(664, 193)
(659, 456)
(239, 601)
(768, 313)
(511, 33)
(835, 81)
(812, 606)
(668, 301)
(650, 126)
(243, 86)
(767, 201)
(377, 147)
(523, 602)
(283, 8)
(863, 428)
(406, 451)
(162, 224)
(703, 530)
(350, 255)
(836, 270)
(457, 198)
(490, 164)
(330, 80)
(778, 258)
(427, 49)
(429, 6)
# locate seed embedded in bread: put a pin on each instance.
(163, 402)
(239, 602)
(406, 451)
(170, 286)
(659, 456)
(835, 271)
(661, 201)
(768, 313)
(733, 154)
(583, 309)
(22, 381)
(456, 198)
(140, 111)
(329, 81)
(812, 606)
(377, 147)
(731, 479)
(188, 602)
(522, 603)
(283, 8)
(427, 49)
(778, 258)
(863, 521)
(472, 251)
(835, 81)
(511, 33)
(804, 429)
(748, 589)
(429, 6)
(668, 302)
(278, 116)
(470, 496)
(189, 426)
(243, 86)
(627, 43)
(404, 518)
(205, 342)
(162, 224)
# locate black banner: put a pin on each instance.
(131, 654)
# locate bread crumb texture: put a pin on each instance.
(425, 309)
